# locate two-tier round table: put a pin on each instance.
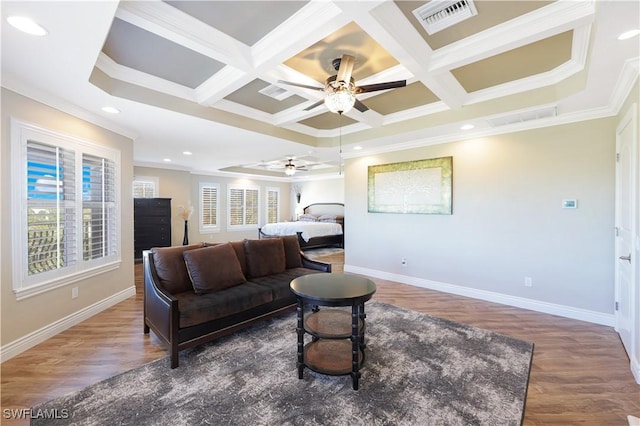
(337, 337)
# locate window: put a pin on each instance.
(243, 209)
(209, 207)
(65, 211)
(145, 187)
(273, 205)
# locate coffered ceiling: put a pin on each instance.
(206, 76)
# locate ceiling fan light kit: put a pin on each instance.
(289, 170)
(340, 89)
(340, 100)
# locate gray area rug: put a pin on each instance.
(419, 370)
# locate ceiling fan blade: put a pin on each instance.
(360, 106)
(346, 68)
(380, 86)
(310, 107)
(300, 85)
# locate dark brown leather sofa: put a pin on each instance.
(197, 293)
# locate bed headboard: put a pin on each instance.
(318, 209)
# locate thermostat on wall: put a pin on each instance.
(570, 204)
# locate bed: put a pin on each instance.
(319, 225)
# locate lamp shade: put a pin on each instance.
(339, 100)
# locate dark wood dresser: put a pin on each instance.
(151, 224)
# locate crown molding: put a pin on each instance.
(624, 84)
(132, 76)
(11, 83)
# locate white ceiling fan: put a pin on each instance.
(290, 169)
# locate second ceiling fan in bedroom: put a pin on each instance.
(341, 90)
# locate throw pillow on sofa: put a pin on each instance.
(213, 268)
(265, 257)
(171, 269)
(292, 251)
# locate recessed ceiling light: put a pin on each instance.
(166, 160)
(187, 152)
(628, 34)
(467, 127)
(111, 110)
(27, 25)
(357, 148)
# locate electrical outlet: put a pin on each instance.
(74, 292)
(528, 282)
(403, 261)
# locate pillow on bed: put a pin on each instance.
(328, 218)
(307, 218)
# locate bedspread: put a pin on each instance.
(308, 229)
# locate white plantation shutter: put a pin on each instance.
(145, 186)
(98, 207)
(252, 206)
(144, 189)
(51, 211)
(209, 207)
(243, 207)
(273, 205)
(236, 207)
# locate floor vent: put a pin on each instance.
(440, 14)
(275, 92)
(523, 115)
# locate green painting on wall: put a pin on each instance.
(419, 187)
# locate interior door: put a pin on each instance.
(625, 228)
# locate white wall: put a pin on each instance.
(329, 190)
(507, 222)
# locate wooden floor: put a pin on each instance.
(580, 373)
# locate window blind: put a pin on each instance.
(51, 198)
(98, 207)
(209, 206)
(243, 206)
(273, 205)
(144, 189)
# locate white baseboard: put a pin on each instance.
(16, 347)
(504, 299)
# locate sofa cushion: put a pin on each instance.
(292, 251)
(279, 284)
(171, 268)
(213, 268)
(198, 309)
(264, 257)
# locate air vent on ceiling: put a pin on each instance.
(523, 115)
(275, 92)
(440, 14)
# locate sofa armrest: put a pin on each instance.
(160, 307)
(314, 264)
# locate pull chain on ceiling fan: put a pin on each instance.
(340, 144)
(340, 89)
